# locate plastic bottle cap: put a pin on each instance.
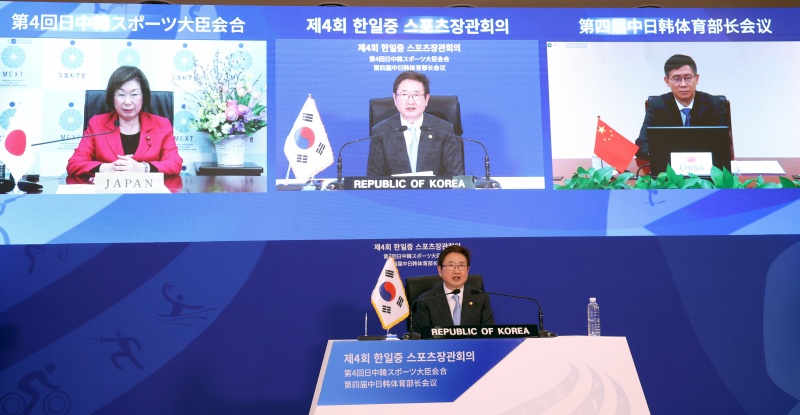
(592, 299)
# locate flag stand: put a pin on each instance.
(388, 336)
(389, 301)
(310, 184)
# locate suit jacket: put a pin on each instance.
(437, 152)
(662, 111)
(475, 309)
(156, 145)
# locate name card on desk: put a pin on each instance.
(409, 183)
(698, 163)
(481, 332)
(105, 183)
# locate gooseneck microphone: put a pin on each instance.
(339, 182)
(542, 331)
(116, 125)
(487, 182)
(413, 335)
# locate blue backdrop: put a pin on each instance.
(223, 303)
(241, 327)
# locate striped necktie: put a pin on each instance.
(457, 311)
(686, 112)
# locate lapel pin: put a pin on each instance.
(470, 303)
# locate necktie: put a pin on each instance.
(412, 148)
(686, 112)
(457, 311)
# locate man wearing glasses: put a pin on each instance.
(684, 106)
(464, 308)
(426, 144)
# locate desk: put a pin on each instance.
(508, 182)
(178, 184)
(573, 374)
(567, 167)
(209, 168)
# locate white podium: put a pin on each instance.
(563, 375)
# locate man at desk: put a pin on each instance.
(684, 106)
(428, 142)
(455, 309)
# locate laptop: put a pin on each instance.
(664, 141)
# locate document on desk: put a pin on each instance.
(75, 189)
(427, 173)
(757, 167)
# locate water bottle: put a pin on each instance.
(593, 317)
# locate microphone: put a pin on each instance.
(116, 125)
(542, 331)
(487, 182)
(412, 335)
(339, 184)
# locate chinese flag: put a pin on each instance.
(612, 147)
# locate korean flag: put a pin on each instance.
(307, 148)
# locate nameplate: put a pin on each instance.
(697, 163)
(105, 183)
(409, 183)
(481, 332)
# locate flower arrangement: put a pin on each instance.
(225, 100)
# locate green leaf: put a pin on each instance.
(716, 176)
(728, 180)
(691, 183)
(604, 174)
(258, 108)
(621, 179)
(788, 183)
(705, 184)
(672, 177)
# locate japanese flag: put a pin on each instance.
(15, 149)
(307, 148)
(389, 297)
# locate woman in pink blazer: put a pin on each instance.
(136, 141)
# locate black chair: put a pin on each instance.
(161, 103)
(416, 286)
(727, 108)
(445, 107)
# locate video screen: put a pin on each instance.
(612, 81)
(307, 138)
(495, 84)
(109, 91)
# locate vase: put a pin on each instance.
(230, 150)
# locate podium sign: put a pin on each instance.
(105, 183)
(481, 332)
(408, 182)
(487, 376)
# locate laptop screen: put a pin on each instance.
(664, 141)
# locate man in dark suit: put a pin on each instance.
(463, 308)
(428, 143)
(685, 105)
